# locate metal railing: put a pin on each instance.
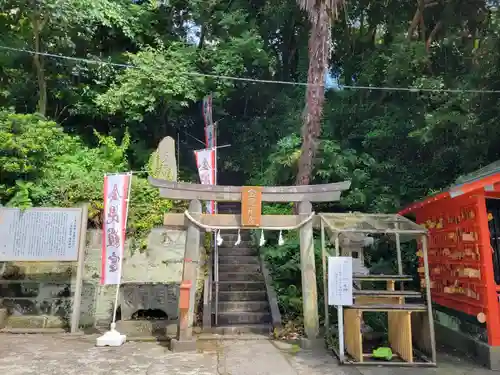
(216, 277)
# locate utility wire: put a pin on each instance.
(253, 80)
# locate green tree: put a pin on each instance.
(40, 25)
(320, 14)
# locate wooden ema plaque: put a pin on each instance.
(251, 206)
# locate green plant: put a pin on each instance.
(146, 210)
(40, 165)
(284, 266)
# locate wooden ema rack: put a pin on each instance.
(399, 320)
(460, 254)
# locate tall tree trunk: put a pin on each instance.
(39, 63)
(315, 94)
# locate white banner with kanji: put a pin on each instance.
(205, 161)
(116, 195)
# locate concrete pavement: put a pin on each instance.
(77, 355)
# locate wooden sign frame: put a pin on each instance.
(251, 206)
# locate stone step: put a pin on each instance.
(231, 243)
(240, 286)
(233, 237)
(241, 276)
(247, 268)
(254, 295)
(237, 259)
(228, 251)
(211, 335)
(229, 207)
(244, 306)
(242, 329)
(145, 328)
(232, 231)
(233, 318)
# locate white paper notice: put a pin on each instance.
(340, 281)
(39, 234)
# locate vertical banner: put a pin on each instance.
(207, 111)
(211, 143)
(116, 195)
(205, 161)
(210, 137)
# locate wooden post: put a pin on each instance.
(308, 268)
(340, 310)
(428, 297)
(398, 254)
(78, 281)
(325, 275)
(190, 270)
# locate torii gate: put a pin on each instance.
(194, 221)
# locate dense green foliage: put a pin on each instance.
(41, 165)
(396, 146)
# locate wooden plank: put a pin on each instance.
(384, 363)
(387, 293)
(391, 285)
(399, 332)
(420, 332)
(413, 233)
(352, 334)
(382, 277)
(388, 307)
(251, 206)
(376, 300)
(232, 220)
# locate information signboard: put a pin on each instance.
(40, 234)
(340, 281)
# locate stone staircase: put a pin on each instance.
(243, 304)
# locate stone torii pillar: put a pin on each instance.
(308, 267)
(184, 340)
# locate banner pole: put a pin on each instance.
(215, 156)
(113, 337)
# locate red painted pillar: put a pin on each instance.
(493, 311)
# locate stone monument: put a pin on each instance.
(163, 163)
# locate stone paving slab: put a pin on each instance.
(70, 355)
(77, 355)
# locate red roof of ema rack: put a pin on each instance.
(482, 182)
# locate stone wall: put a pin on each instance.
(459, 322)
(39, 295)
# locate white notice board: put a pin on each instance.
(340, 281)
(39, 234)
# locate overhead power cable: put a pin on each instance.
(254, 80)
